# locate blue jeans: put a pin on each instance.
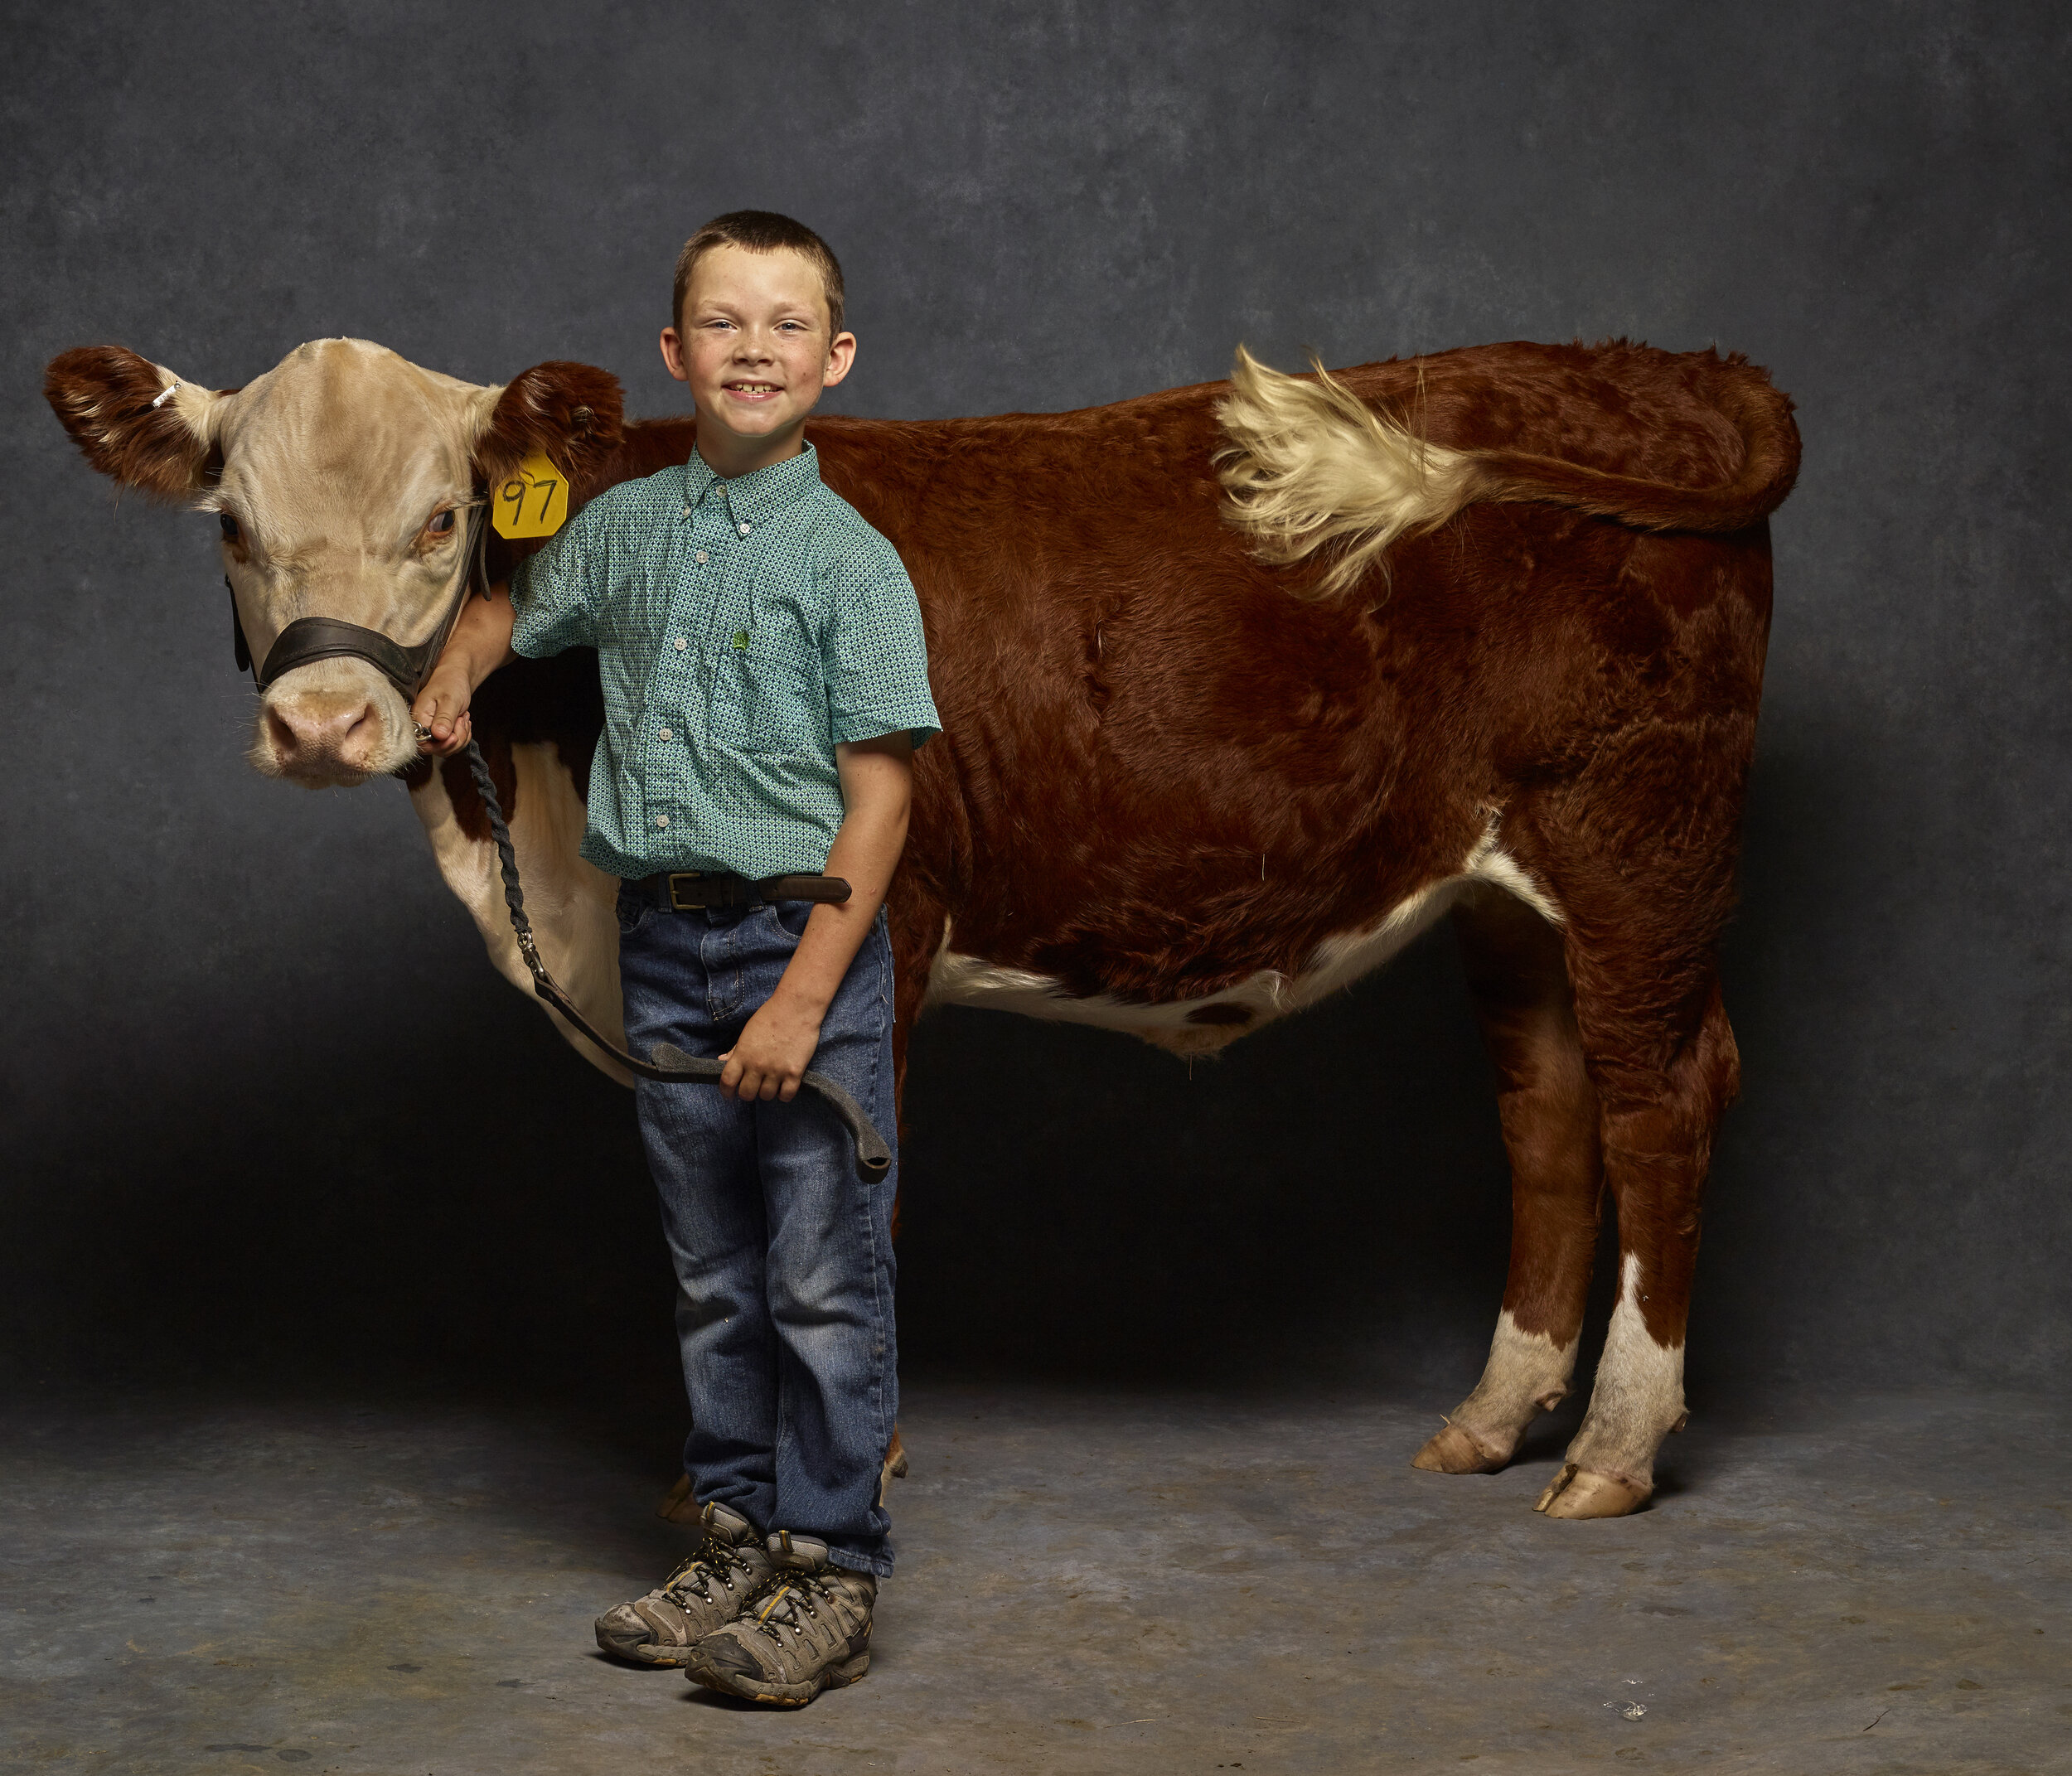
(783, 1253)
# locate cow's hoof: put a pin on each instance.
(1583, 1492)
(1456, 1451)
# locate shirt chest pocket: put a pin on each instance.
(768, 697)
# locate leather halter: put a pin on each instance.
(309, 639)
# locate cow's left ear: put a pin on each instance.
(136, 420)
(574, 412)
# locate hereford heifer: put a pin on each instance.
(1242, 686)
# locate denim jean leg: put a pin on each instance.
(701, 1151)
(830, 1273)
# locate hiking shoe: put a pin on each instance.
(707, 1591)
(806, 1630)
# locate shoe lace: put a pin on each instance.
(787, 1601)
(716, 1559)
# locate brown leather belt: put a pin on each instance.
(694, 890)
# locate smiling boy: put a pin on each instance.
(765, 684)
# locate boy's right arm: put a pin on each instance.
(480, 643)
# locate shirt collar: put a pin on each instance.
(762, 492)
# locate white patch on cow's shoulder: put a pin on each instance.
(1206, 1024)
(570, 903)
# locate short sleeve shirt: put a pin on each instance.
(744, 628)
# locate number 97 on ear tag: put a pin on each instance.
(534, 502)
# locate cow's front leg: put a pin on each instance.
(1659, 1125)
(1548, 1106)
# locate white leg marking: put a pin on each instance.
(1528, 1373)
(1638, 1398)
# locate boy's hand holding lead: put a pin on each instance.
(774, 1050)
(441, 711)
(481, 643)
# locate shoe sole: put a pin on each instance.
(779, 1694)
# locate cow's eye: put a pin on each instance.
(230, 526)
(442, 524)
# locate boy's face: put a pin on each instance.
(752, 345)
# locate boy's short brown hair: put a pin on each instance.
(759, 231)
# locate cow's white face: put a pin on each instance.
(342, 480)
(347, 479)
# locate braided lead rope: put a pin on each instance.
(507, 863)
(670, 1065)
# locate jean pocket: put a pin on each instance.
(633, 911)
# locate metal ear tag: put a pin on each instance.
(165, 395)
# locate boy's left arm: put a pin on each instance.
(777, 1044)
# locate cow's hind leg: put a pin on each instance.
(1663, 1099)
(1549, 1111)
(1643, 909)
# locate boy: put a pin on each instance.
(765, 684)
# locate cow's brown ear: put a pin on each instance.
(135, 420)
(572, 412)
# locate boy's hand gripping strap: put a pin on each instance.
(669, 1064)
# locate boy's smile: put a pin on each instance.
(753, 345)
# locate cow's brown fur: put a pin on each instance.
(103, 396)
(1161, 775)
(572, 413)
(1137, 717)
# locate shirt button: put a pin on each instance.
(661, 819)
(681, 644)
(744, 530)
(701, 558)
(667, 735)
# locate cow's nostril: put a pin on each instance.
(280, 734)
(357, 743)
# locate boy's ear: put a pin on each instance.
(136, 420)
(572, 412)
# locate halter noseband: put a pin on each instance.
(309, 639)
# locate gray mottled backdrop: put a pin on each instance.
(263, 1099)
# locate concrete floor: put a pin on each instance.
(1088, 1583)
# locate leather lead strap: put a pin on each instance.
(670, 1065)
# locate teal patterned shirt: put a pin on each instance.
(743, 629)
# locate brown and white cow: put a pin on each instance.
(1243, 685)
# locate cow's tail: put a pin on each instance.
(1309, 466)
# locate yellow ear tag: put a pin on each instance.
(533, 502)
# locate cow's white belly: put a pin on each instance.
(1201, 1026)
